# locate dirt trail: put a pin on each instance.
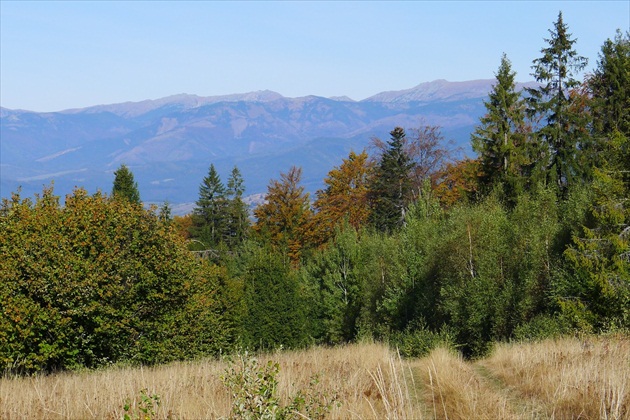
(450, 388)
(522, 407)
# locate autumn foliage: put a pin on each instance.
(345, 197)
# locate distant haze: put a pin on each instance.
(170, 143)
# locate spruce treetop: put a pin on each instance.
(124, 185)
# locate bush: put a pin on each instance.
(254, 387)
(96, 281)
(419, 341)
(540, 328)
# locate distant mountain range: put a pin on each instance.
(169, 143)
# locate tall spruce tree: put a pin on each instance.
(500, 140)
(610, 89)
(124, 185)
(551, 104)
(599, 289)
(391, 185)
(237, 222)
(209, 214)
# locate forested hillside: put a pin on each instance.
(405, 244)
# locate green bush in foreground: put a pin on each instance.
(98, 281)
(253, 388)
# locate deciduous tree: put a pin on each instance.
(98, 281)
(456, 182)
(344, 198)
(285, 216)
(427, 150)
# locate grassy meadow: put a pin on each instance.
(585, 378)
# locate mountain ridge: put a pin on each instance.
(175, 138)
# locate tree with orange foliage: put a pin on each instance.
(285, 216)
(345, 197)
(456, 182)
(182, 225)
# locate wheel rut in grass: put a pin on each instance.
(524, 408)
(449, 387)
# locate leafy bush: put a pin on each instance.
(540, 328)
(142, 409)
(98, 281)
(254, 391)
(418, 341)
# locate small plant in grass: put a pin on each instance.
(311, 402)
(253, 388)
(144, 409)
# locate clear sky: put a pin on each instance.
(59, 55)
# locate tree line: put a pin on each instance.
(403, 244)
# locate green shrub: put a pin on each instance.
(98, 281)
(254, 387)
(143, 408)
(418, 341)
(540, 328)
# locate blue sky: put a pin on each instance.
(60, 55)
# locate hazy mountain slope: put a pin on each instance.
(169, 143)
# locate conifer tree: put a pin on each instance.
(275, 315)
(599, 289)
(210, 213)
(237, 221)
(165, 213)
(124, 185)
(500, 139)
(550, 105)
(391, 185)
(610, 87)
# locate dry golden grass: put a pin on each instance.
(367, 378)
(453, 389)
(568, 378)
(565, 378)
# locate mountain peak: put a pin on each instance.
(341, 99)
(181, 100)
(437, 90)
(441, 91)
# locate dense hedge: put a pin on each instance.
(100, 280)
